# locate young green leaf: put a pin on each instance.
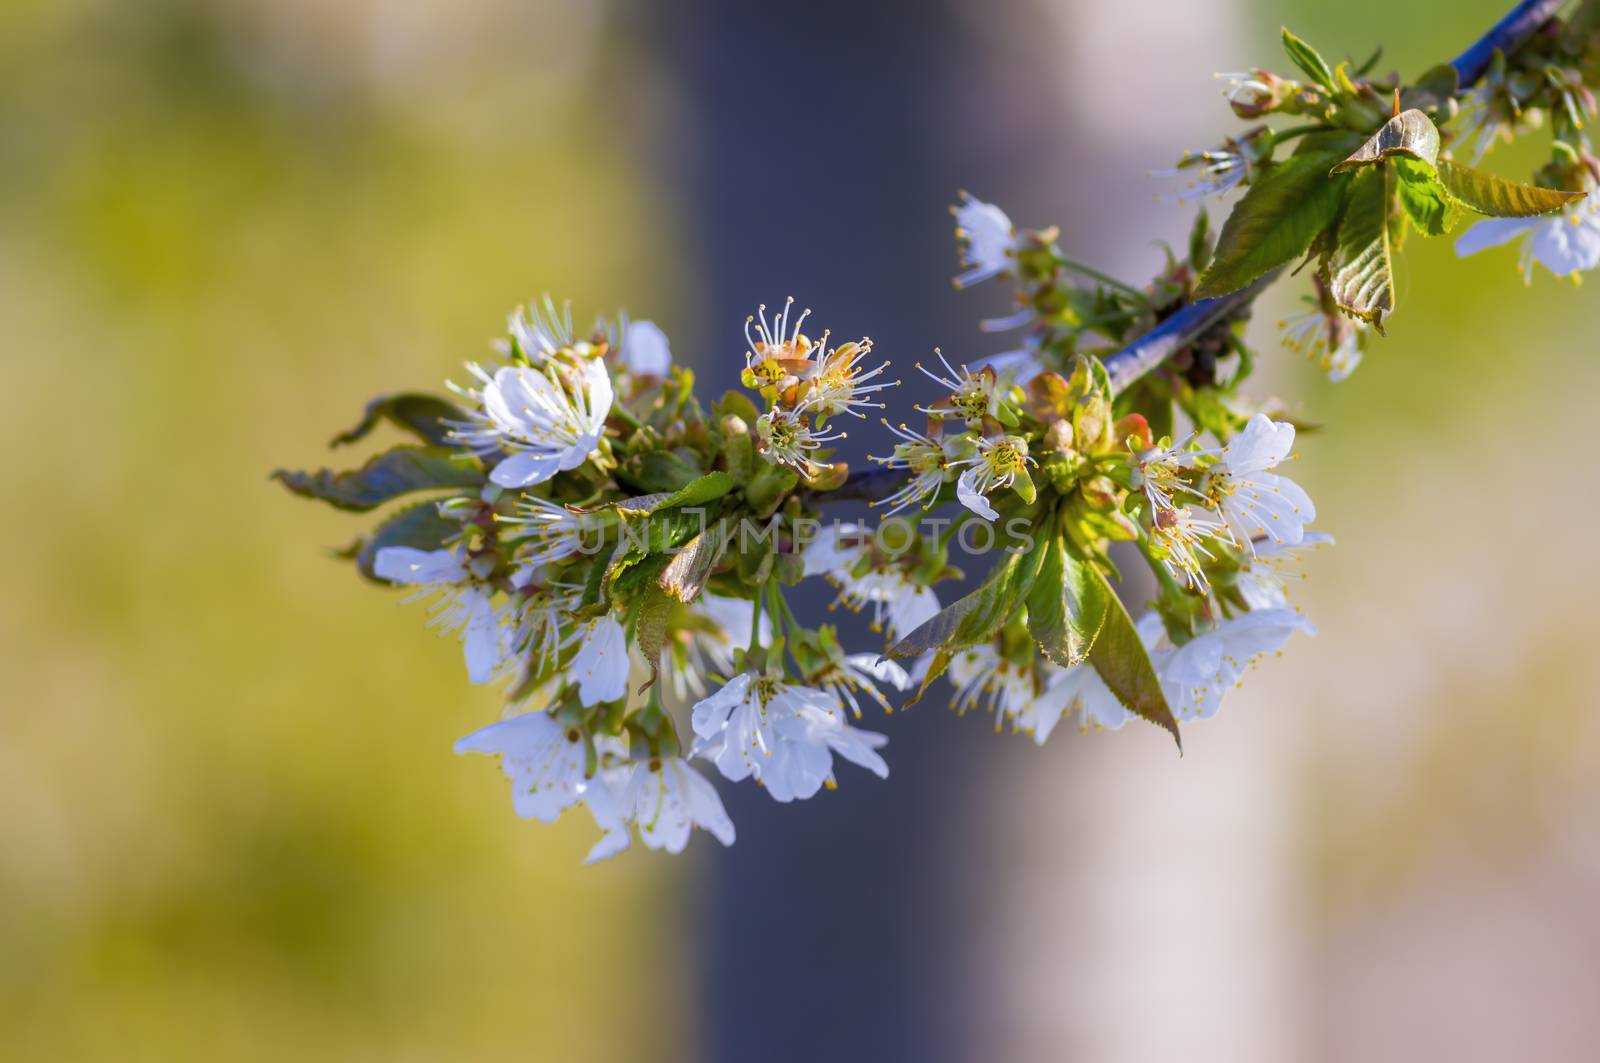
(391, 474)
(1307, 59)
(1498, 197)
(1124, 665)
(1361, 273)
(424, 416)
(703, 489)
(1275, 222)
(1424, 198)
(1407, 133)
(1067, 605)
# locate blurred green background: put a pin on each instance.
(233, 827)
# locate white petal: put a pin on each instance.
(482, 637)
(645, 349)
(597, 391)
(1492, 232)
(402, 564)
(601, 663)
(525, 468)
(710, 714)
(967, 494)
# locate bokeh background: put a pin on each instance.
(230, 823)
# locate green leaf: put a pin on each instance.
(650, 631)
(1407, 133)
(1498, 197)
(1124, 665)
(424, 416)
(1275, 222)
(418, 526)
(980, 614)
(658, 471)
(1066, 606)
(702, 489)
(1307, 59)
(1360, 266)
(388, 475)
(1432, 209)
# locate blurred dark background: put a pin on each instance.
(233, 827)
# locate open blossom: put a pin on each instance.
(778, 351)
(1196, 675)
(782, 734)
(988, 240)
(844, 554)
(1078, 691)
(601, 663)
(551, 419)
(838, 383)
(1158, 472)
(1333, 340)
(785, 437)
(1564, 243)
(1261, 579)
(545, 762)
(548, 532)
(985, 680)
(663, 799)
(924, 459)
(1253, 501)
(1182, 535)
(974, 396)
(998, 463)
(1208, 173)
(538, 332)
(463, 601)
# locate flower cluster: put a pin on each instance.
(616, 554)
(804, 383)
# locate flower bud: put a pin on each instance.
(738, 452)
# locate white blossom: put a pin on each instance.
(1333, 341)
(1182, 535)
(545, 762)
(551, 419)
(785, 437)
(987, 238)
(1565, 243)
(924, 459)
(462, 601)
(1196, 675)
(1253, 501)
(552, 532)
(984, 679)
(998, 462)
(1208, 173)
(663, 799)
(838, 383)
(782, 734)
(1079, 691)
(538, 332)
